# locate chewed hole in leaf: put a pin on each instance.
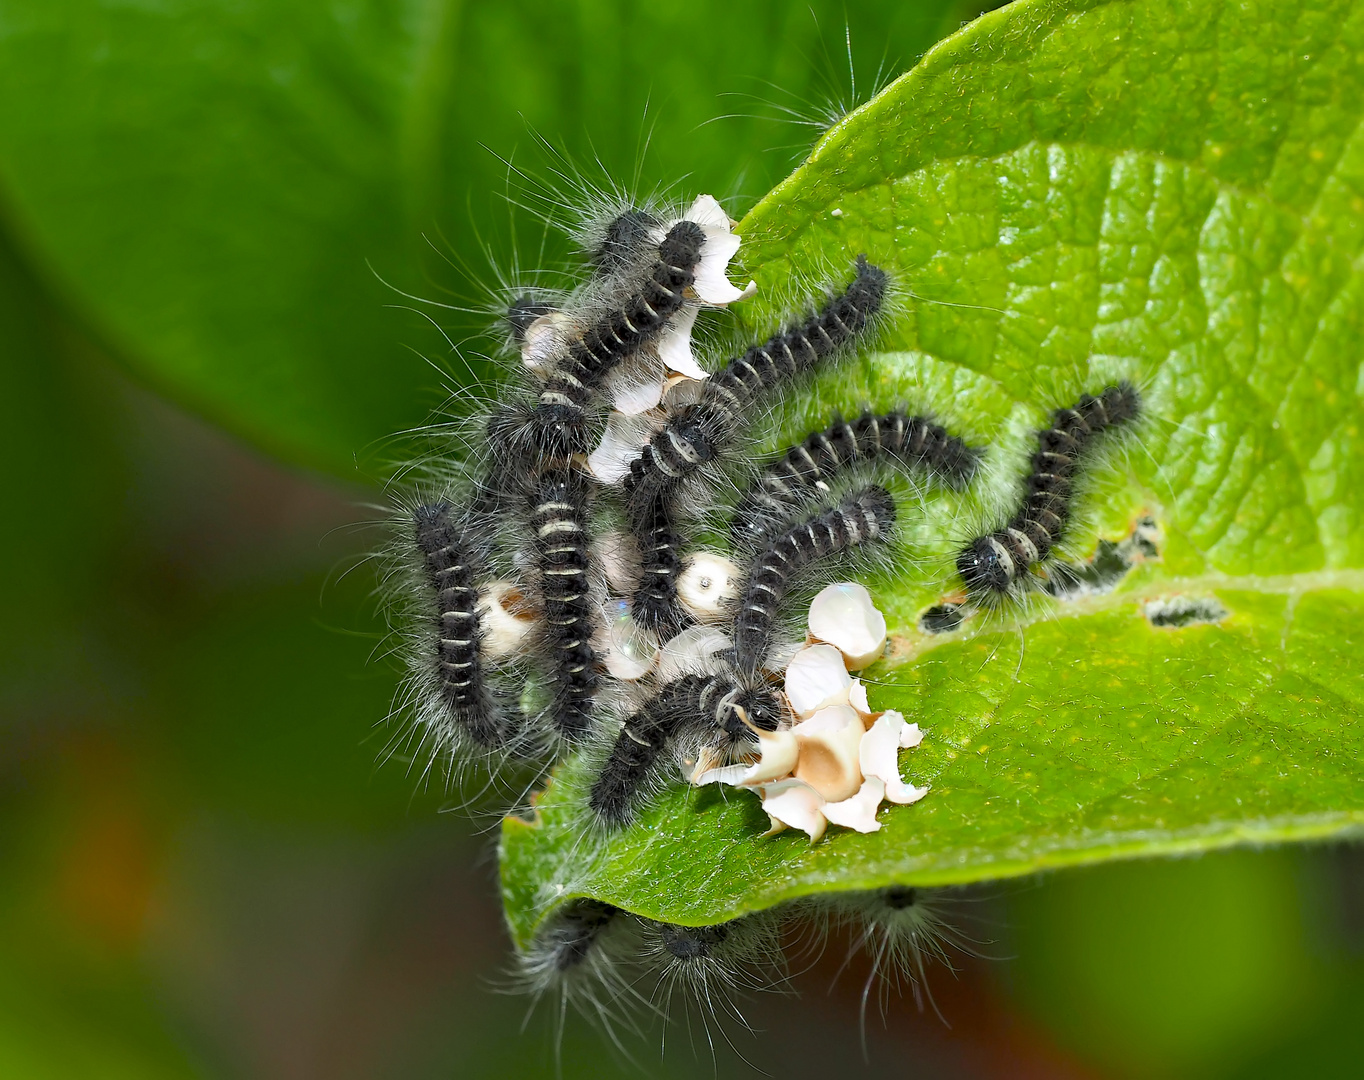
(1174, 612)
(1108, 566)
(942, 619)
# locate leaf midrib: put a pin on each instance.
(908, 647)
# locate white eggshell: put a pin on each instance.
(815, 679)
(844, 616)
(879, 757)
(722, 774)
(795, 804)
(830, 743)
(631, 651)
(691, 652)
(638, 394)
(706, 585)
(857, 698)
(674, 344)
(859, 811)
(546, 340)
(780, 751)
(622, 441)
(503, 620)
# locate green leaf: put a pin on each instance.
(205, 182)
(225, 192)
(1067, 193)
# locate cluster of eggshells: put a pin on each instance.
(840, 761)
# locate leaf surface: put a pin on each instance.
(1067, 193)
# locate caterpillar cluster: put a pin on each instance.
(610, 965)
(559, 598)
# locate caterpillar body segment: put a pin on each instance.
(691, 438)
(569, 942)
(867, 515)
(654, 604)
(804, 471)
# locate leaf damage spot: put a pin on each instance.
(1176, 612)
(942, 618)
(1109, 565)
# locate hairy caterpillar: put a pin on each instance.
(557, 425)
(697, 705)
(992, 564)
(867, 515)
(804, 471)
(451, 566)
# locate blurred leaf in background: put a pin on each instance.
(203, 868)
(207, 183)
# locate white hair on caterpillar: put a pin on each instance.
(711, 967)
(902, 929)
(586, 958)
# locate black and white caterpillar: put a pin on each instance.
(557, 426)
(559, 511)
(703, 706)
(994, 563)
(807, 469)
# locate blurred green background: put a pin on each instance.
(205, 868)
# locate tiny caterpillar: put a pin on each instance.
(558, 520)
(867, 515)
(451, 564)
(993, 563)
(697, 705)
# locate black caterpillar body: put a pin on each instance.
(451, 564)
(697, 704)
(654, 604)
(692, 942)
(558, 522)
(575, 933)
(805, 470)
(867, 515)
(992, 564)
(558, 419)
(694, 437)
